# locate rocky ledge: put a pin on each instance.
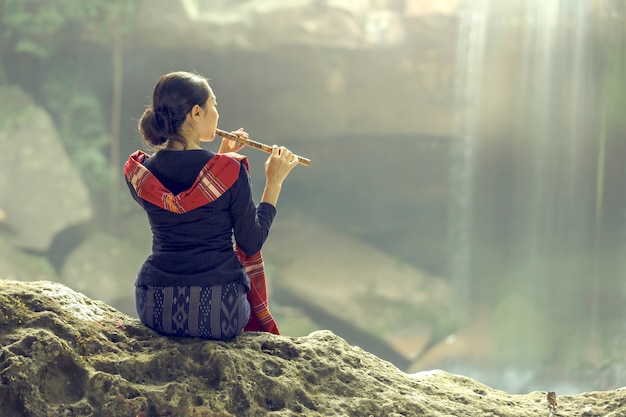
(63, 354)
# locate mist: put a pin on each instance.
(478, 145)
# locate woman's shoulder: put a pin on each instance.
(241, 160)
(233, 155)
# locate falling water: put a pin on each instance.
(528, 239)
(470, 60)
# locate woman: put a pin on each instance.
(196, 282)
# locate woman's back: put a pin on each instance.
(196, 246)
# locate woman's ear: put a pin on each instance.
(196, 112)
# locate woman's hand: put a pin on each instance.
(229, 145)
(277, 167)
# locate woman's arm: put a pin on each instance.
(251, 224)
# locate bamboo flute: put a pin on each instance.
(258, 145)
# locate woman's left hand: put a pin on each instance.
(229, 145)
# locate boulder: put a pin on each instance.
(41, 193)
(62, 353)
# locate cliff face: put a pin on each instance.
(65, 354)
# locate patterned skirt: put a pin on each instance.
(214, 312)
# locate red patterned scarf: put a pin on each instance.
(215, 178)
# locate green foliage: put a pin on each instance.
(79, 115)
(43, 30)
(34, 27)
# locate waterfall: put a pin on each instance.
(535, 230)
(468, 88)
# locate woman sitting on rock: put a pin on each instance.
(196, 282)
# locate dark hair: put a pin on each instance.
(174, 96)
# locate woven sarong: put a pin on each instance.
(216, 177)
(213, 312)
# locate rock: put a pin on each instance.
(41, 193)
(104, 267)
(387, 298)
(277, 24)
(63, 354)
(17, 265)
(330, 56)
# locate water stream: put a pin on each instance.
(535, 234)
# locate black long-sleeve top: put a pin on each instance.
(196, 248)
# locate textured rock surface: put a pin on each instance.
(65, 354)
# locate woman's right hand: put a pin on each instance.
(279, 165)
